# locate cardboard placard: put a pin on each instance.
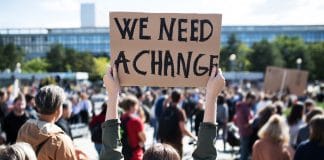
(285, 80)
(164, 49)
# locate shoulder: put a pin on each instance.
(9, 116)
(304, 145)
(135, 120)
(261, 143)
(65, 145)
(64, 140)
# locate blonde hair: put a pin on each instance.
(128, 102)
(276, 130)
(18, 151)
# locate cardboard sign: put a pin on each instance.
(285, 80)
(164, 49)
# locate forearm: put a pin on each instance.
(112, 106)
(210, 110)
(188, 133)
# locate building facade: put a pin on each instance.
(96, 40)
(87, 15)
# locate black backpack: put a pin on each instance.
(127, 149)
(168, 124)
(96, 133)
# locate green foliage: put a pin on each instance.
(101, 65)
(316, 51)
(73, 61)
(56, 58)
(36, 65)
(264, 54)
(62, 59)
(100, 68)
(292, 48)
(10, 55)
(320, 104)
(234, 46)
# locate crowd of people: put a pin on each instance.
(270, 126)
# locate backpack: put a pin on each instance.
(96, 133)
(126, 149)
(233, 137)
(168, 124)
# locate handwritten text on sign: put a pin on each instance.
(155, 49)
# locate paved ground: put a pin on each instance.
(85, 144)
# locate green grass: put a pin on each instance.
(320, 104)
(287, 111)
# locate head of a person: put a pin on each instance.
(296, 113)
(19, 104)
(164, 92)
(84, 96)
(30, 100)
(221, 99)
(279, 107)
(67, 109)
(3, 96)
(275, 129)
(317, 129)
(130, 104)
(175, 96)
(250, 98)
(309, 105)
(265, 114)
(49, 101)
(17, 151)
(200, 104)
(161, 152)
(314, 112)
(104, 108)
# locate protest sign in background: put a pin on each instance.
(285, 80)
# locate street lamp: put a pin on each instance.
(232, 58)
(299, 61)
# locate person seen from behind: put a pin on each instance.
(47, 139)
(273, 142)
(313, 148)
(205, 147)
(17, 151)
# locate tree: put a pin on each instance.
(234, 46)
(316, 51)
(56, 58)
(264, 54)
(85, 63)
(35, 65)
(10, 55)
(101, 65)
(100, 68)
(292, 48)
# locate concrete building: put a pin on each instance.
(87, 15)
(96, 40)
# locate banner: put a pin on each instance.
(164, 49)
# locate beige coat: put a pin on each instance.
(57, 146)
(265, 149)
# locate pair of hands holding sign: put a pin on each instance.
(215, 85)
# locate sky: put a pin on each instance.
(66, 13)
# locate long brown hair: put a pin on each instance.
(317, 129)
(161, 152)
